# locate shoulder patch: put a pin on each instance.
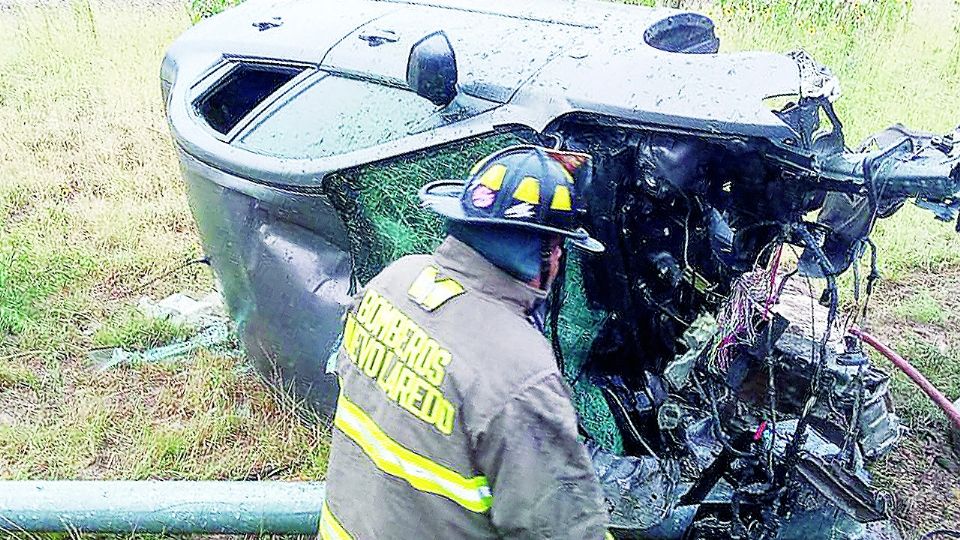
(430, 293)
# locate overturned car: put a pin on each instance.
(718, 393)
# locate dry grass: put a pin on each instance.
(91, 206)
(208, 421)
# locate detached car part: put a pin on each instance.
(305, 129)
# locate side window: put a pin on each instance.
(334, 115)
(243, 88)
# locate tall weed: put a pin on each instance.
(201, 9)
(891, 56)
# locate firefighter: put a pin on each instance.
(453, 419)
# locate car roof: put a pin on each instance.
(544, 58)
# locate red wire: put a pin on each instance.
(912, 373)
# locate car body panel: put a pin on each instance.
(711, 93)
(284, 269)
(495, 54)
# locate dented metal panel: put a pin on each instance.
(283, 261)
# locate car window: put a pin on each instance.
(334, 115)
(240, 91)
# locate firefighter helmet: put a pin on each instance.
(523, 186)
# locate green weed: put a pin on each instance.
(28, 275)
(15, 376)
(132, 330)
(922, 308)
(201, 9)
(16, 296)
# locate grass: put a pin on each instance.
(923, 309)
(92, 202)
(15, 376)
(211, 421)
(937, 363)
(92, 206)
(891, 55)
(131, 330)
(201, 9)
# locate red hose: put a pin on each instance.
(911, 372)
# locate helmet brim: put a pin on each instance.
(443, 197)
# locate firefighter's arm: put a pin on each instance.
(542, 481)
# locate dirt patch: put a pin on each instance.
(885, 312)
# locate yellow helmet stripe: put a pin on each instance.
(561, 199)
(493, 177)
(528, 191)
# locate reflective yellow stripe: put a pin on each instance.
(528, 191)
(430, 292)
(493, 177)
(608, 536)
(330, 528)
(392, 458)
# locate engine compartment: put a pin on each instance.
(720, 393)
